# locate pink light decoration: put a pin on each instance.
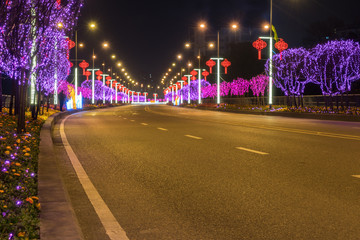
(258, 84)
(239, 87)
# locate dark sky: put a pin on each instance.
(147, 35)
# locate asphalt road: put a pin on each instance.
(174, 173)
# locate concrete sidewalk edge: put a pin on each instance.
(57, 217)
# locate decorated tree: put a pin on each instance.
(258, 85)
(288, 71)
(239, 87)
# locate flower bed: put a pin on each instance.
(19, 205)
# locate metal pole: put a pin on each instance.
(93, 81)
(76, 69)
(271, 55)
(199, 79)
(189, 81)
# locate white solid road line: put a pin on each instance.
(112, 227)
(145, 124)
(356, 176)
(162, 129)
(250, 150)
(190, 136)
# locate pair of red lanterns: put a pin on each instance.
(260, 44)
(211, 63)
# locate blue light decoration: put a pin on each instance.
(79, 102)
(69, 104)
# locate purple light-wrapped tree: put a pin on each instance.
(258, 85)
(239, 87)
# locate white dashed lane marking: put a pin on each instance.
(145, 124)
(162, 129)
(253, 151)
(194, 137)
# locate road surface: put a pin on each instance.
(175, 173)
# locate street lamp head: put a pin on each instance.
(266, 26)
(119, 64)
(179, 56)
(60, 25)
(202, 25)
(234, 26)
(211, 45)
(187, 45)
(81, 45)
(105, 45)
(94, 56)
(174, 64)
(113, 56)
(92, 25)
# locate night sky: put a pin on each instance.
(147, 35)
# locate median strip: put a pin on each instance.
(253, 151)
(194, 137)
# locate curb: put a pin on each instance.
(57, 218)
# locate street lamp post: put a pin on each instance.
(111, 95)
(104, 75)
(181, 95)
(116, 88)
(270, 69)
(199, 70)
(155, 95)
(132, 96)
(93, 70)
(138, 95)
(218, 77)
(145, 93)
(189, 81)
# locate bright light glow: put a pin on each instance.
(266, 26)
(189, 64)
(92, 25)
(60, 25)
(119, 64)
(179, 56)
(202, 25)
(105, 45)
(174, 64)
(211, 45)
(123, 70)
(94, 56)
(113, 56)
(169, 70)
(234, 26)
(81, 45)
(187, 45)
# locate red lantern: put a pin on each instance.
(98, 77)
(205, 74)
(193, 78)
(108, 78)
(259, 45)
(226, 63)
(71, 64)
(98, 73)
(107, 82)
(281, 46)
(71, 44)
(211, 63)
(87, 74)
(114, 84)
(184, 78)
(194, 73)
(185, 83)
(84, 65)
